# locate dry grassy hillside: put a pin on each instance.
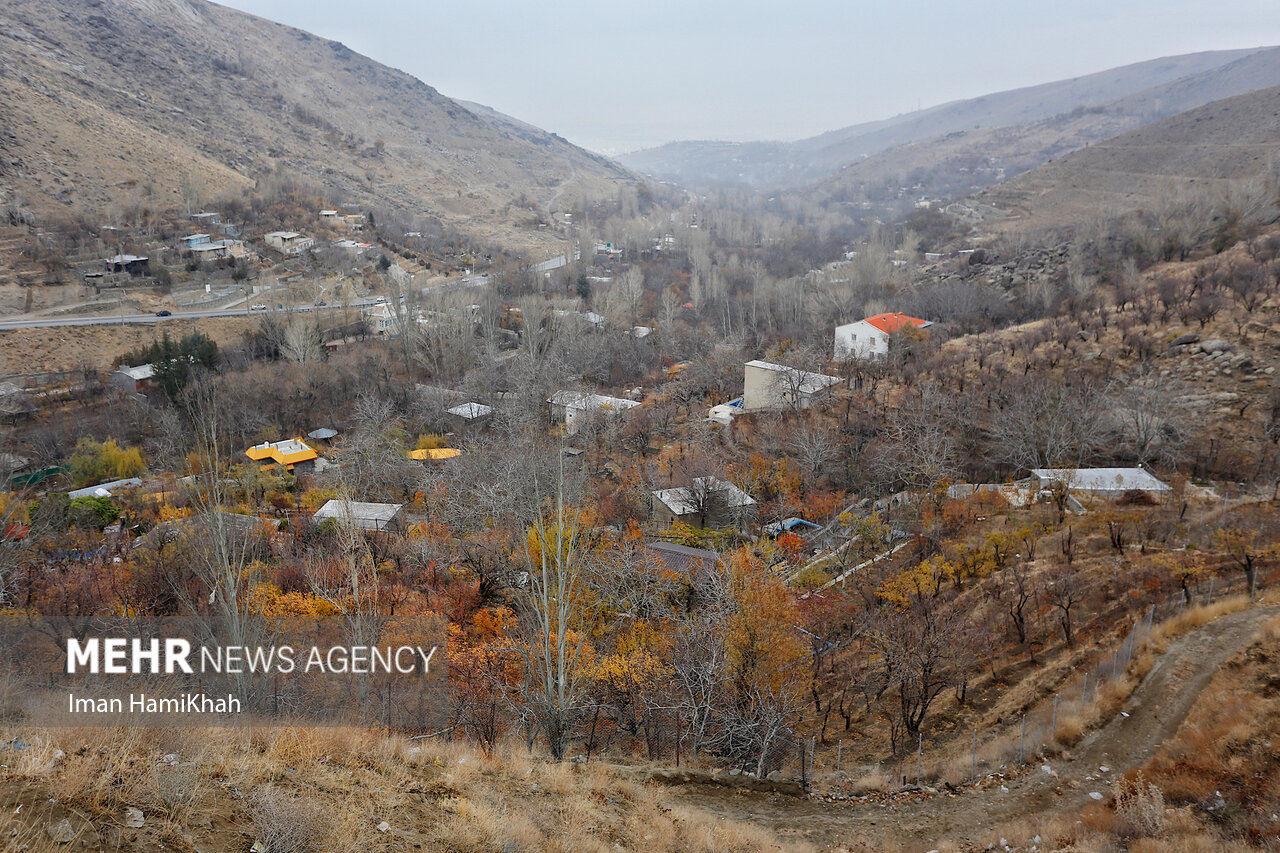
(165, 103)
(300, 790)
(1198, 152)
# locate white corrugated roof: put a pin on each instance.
(1103, 479)
(365, 515)
(471, 410)
(142, 371)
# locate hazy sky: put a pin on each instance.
(623, 75)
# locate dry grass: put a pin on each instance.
(303, 789)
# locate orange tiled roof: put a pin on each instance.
(890, 323)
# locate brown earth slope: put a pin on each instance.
(1201, 151)
(1155, 711)
(170, 103)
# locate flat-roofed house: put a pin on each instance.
(364, 516)
(290, 453)
(1099, 481)
(289, 242)
(137, 379)
(571, 406)
(705, 502)
(766, 385)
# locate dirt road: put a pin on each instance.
(1156, 709)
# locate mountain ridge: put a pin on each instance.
(169, 99)
(783, 164)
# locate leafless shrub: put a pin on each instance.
(286, 823)
(1139, 807)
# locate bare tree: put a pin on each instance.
(230, 613)
(1043, 424)
(924, 651)
(349, 582)
(551, 604)
(1146, 411)
(1064, 590)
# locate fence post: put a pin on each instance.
(1053, 732)
(1022, 744)
(1211, 580)
(839, 755)
(809, 776)
(975, 755)
(919, 758)
(1084, 693)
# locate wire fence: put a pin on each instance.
(1003, 750)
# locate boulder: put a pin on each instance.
(1188, 338)
(1216, 345)
(61, 832)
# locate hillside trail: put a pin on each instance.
(1155, 711)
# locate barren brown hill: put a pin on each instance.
(1202, 152)
(170, 103)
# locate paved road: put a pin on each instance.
(37, 322)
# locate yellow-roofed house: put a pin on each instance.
(435, 454)
(289, 454)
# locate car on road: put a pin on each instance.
(381, 300)
(165, 313)
(260, 306)
(321, 304)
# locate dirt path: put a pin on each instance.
(1156, 709)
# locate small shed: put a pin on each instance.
(682, 558)
(134, 265)
(471, 411)
(105, 490)
(136, 379)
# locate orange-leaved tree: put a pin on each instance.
(766, 658)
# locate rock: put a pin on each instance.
(1095, 795)
(171, 759)
(774, 776)
(384, 826)
(1188, 338)
(1216, 345)
(1269, 371)
(133, 817)
(258, 847)
(61, 832)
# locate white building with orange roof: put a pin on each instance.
(869, 337)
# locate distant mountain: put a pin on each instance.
(114, 103)
(1133, 94)
(966, 161)
(1200, 151)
